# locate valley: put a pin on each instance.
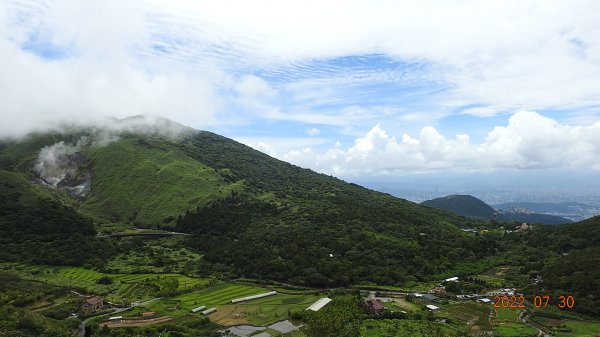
(171, 225)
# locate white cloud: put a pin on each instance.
(99, 77)
(250, 86)
(526, 54)
(274, 146)
(528, 141)
(313, 132)
(190, 60)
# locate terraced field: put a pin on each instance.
(86, 275)
(472, 314)
(125, 287)
(217, 295)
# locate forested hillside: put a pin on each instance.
(36, 227)
(250, 215)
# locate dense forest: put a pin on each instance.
(316, 248)
(40, 229)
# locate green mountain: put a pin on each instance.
(471, 207)
(464, 205)
(250, 214)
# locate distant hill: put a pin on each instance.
(571, 210)
(545, 219)
(471, 207)
(464, 205)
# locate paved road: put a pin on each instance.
(82, 325)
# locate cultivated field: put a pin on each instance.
(259, 311)
(507, 324)
(474, 315)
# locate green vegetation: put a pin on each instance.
(477, 315)
(340, 318)
(407, 328)
(35, 227)
(250, 216)
(162, 183)
(24, 323)
(221, 294)
(155, 256)
(262, 311)
(20, 298)
(507, 324)
(583, 329)
(124, 287)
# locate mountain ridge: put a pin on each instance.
(200, 179)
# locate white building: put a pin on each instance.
(432, 307)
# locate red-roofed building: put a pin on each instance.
(374, 307)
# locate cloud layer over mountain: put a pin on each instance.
(528, 141)
(309, 74)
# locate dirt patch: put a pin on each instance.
(228, 315)
(136, 322)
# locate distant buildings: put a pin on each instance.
(502, 292)
(92, 304)
(438, 290)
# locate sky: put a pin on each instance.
(361, 90)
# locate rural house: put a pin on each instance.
(92, 305)
(433, 298)
(438, 290)
(373, 307)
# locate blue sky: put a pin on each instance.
(352, 89)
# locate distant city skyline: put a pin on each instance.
(354, 89)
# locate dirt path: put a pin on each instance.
(136, 322)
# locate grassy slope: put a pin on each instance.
(30, 195)
(149, 181)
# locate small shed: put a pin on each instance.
(200, 308)
(432, 308)
(484, 300)
(209, 311)
(115, 319)
(319, 304)
(432, 298)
